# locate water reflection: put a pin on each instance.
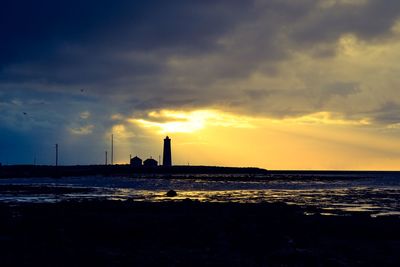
(378, 196)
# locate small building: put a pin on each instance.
(150, 162)
(136, 162)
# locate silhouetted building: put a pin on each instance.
(136, 162)
(150, 163)
(167, 159)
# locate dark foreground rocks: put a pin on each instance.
(189, 233)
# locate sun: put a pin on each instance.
(172, 121)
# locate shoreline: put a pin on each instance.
(178, 172)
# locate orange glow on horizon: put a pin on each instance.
(321, 140)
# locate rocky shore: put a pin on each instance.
(190, 233)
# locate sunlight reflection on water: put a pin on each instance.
(376, 195)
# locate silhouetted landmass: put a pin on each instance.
(190, 233)
(13, 171)
(180, 172)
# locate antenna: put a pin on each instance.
(112, 149)
(56, 154)
(106, 158)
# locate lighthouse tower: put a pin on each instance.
(167, 160)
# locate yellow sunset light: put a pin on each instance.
(276, 143)
(170, 121)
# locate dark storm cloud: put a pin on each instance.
(107, 46)
(32, 30)
(368, 20)
(102, 43)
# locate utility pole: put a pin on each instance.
(112, 149)
(56, 154)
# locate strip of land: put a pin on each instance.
(201, 172)
(29, 171)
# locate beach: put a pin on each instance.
(191, 233)
(290, 219)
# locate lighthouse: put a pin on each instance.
(167, 159)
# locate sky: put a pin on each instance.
(277, 84)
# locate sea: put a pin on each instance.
(331, 193)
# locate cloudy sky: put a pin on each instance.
(280, 84)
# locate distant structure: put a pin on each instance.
(167, 159)
(136, 162)
(150, 162)
(56, 154)
(112, 149)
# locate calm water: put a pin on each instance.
(377, 193)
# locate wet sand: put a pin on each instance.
(190, 233)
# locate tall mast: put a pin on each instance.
(112, 149)
(56, 154)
